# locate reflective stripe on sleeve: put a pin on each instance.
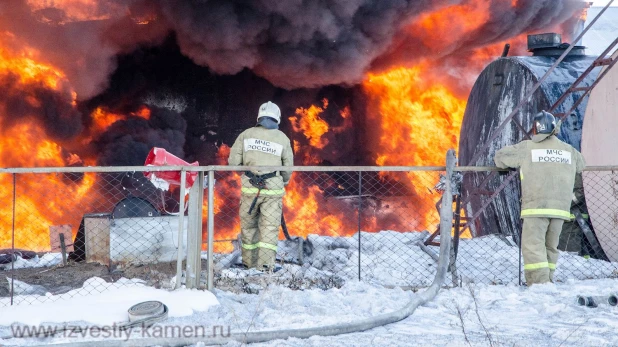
(545, 211)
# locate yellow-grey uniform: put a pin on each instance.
(259, 146)
(547, 170)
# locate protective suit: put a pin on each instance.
(547, 171)
(262, 192)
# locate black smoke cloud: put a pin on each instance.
(34, 101)
(127, 142)
(291, 43)
(308, 44)
(504, 22)
(527, 16)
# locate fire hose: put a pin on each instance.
(145, 314)
(446, 218)
(305, 247)
(142, 315)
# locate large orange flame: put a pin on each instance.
(442, 28)
(27, 66)
(418, 120)
(24, 143)
(103, 118)
(308, 121)
(44, 204)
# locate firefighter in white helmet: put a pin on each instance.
(262, 192)
(547, 170)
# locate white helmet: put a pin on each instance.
(269, 110)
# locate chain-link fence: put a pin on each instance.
(587, 243)
(72, 233)
(336, 226)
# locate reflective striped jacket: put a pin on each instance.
(547, 171)
(259, 146)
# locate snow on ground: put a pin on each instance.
(471, 315)
(489, 315)
(48, 259)
(392, 258)
(102, 303)
(476, 313)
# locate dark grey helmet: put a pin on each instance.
(544, 123)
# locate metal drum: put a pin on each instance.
(497, 91)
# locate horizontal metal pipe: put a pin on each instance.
(231, 168)
(595, 301)
(584, 300)
(111, 169)
(613, 299)
(23, 170)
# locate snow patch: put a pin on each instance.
(48, 259)
(103, 303)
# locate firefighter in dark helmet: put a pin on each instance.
(547, 170)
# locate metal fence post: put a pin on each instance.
(211, 228)
(13, 240)
(518, 236)
(455, 244)
(181, 224)
(194, 233)
(360, 205)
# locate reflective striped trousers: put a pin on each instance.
(539, 248)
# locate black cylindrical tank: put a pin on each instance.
(497, 91)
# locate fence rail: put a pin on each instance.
(78, 230)
(110, 169)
